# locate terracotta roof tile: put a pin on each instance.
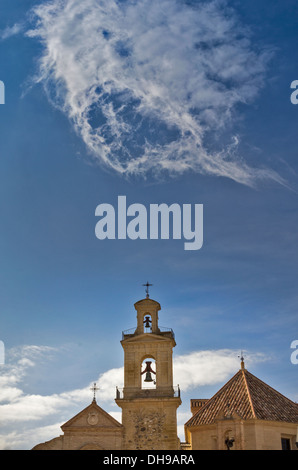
(249, 397)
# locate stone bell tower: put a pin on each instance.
(148, 400)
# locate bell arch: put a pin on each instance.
(147, 323)
(148, 373)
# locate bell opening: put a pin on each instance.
(148, 374)
(147, 322)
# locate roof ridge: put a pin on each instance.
(207, 404)
(271, 388)
(248, 392)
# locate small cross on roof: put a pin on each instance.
(147, 285)
(94, 389)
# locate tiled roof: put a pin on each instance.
(250, 398)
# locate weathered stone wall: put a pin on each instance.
(150, 424)
(248, 434)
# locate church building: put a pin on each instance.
(245, 414)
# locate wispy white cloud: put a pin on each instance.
(146, 82)
(27, 419)
(10, 31)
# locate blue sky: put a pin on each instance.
(188, 103)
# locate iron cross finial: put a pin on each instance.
(242, 360)
(94, 389)
(147, 285)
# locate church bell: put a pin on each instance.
(148, 370)
(147, 322)
(148, 377)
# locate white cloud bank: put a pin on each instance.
(145, 82)
(27, 419)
